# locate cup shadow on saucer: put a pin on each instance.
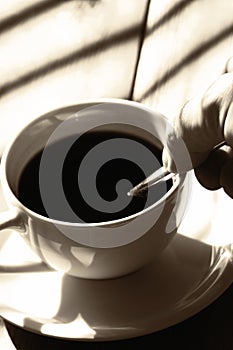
(130, 306)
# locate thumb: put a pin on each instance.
(204, 122)
(185, 131)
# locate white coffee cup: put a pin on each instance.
(92, 250)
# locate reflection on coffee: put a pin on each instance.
(107, 178)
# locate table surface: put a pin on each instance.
(212, 328)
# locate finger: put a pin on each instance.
(204, 123)
(185, 128)
(198, 138)
(168, 161)
(176, 156)
(226, 177)
(228, 124)
(209, 173)
(198, 127)
(229, 65)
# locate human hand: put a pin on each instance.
(203, 123)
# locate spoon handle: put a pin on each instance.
(159, 175)
(162, 174)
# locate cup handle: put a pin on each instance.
(12, 219)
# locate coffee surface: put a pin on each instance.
(106, 179)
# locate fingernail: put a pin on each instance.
(167, 160)
(229, 65)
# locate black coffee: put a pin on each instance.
(106, 179)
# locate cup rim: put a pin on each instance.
(167, 196)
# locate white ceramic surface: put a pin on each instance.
(97, 250)
(192, 272)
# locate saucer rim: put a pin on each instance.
(207, 297)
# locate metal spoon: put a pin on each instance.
(160, 175)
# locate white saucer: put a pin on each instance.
(193, 271)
